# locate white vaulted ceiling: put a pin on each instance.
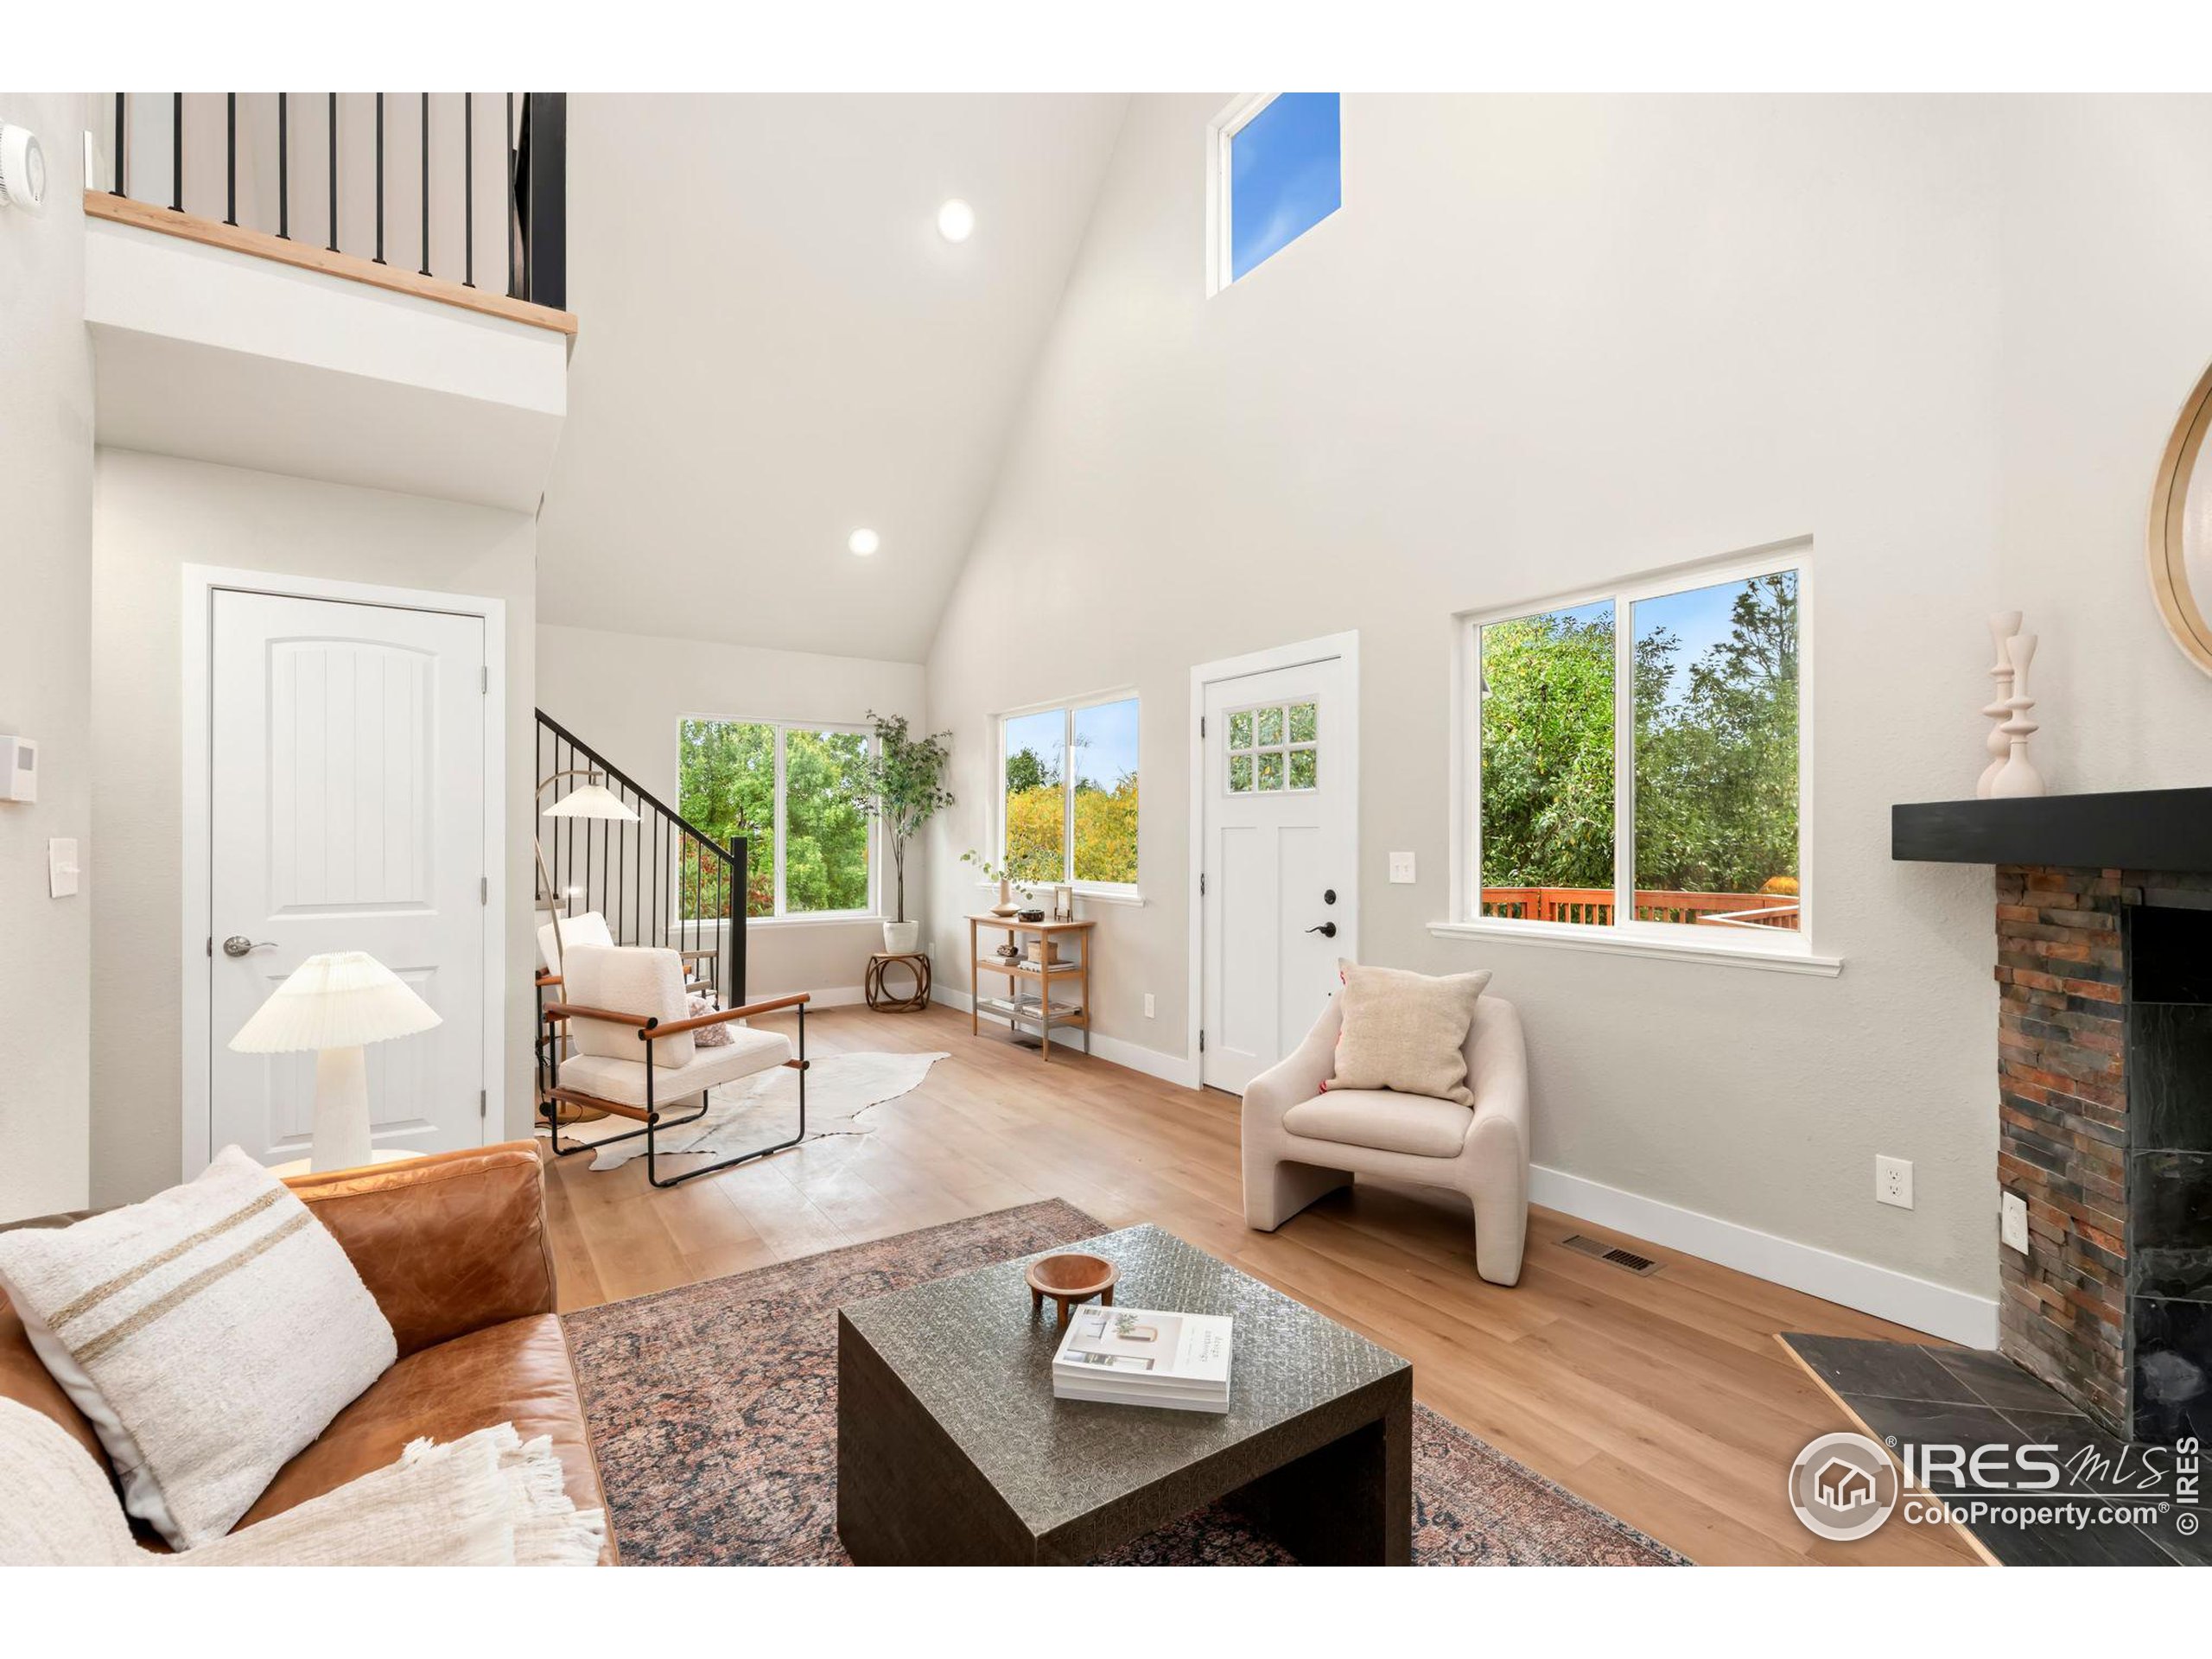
(776, 348)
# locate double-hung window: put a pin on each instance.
(1068, 795)
(794, 791)
(1636, 761)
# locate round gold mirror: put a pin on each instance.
(2180, 530)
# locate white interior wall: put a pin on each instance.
(624, 694)
(153, 515)
(1550, 342)
(46, 432)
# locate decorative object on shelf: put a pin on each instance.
(1003, 874)
(2181, 531)
(880, 997)
(2019, 775)
(1009, 952)
(1069, 1280)
(1064, 904)
(902, 784)
(589, 799)
(334, 1004)
(2003, 624)
(1031, 916)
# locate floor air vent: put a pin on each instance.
(1639, 1265)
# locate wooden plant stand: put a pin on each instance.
(887, 1002)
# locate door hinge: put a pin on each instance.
(1202, 724)
(1202, 1040)
(486, 672)
(210, 944)
(483, 1103)
(1202, 884)
(483, 889)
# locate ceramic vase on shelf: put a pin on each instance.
(2017, 776)
(2003, 624)
(1006, 906)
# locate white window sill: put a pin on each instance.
(838, 919)
(1093, 895)
(1567, 935)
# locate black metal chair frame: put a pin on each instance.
(649, 1031)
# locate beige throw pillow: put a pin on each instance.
(210, 1334)
(1406, 1032)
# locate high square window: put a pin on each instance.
(1279, 171)
(794, 791)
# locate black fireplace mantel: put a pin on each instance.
(2128, 830)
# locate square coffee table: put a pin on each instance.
(953, 1451)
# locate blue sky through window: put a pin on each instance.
(1043, 735)
(1285, 175)
(1106, 743)
(1699, 617)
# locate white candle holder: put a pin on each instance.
(2003, 624)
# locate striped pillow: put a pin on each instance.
(210, 1334)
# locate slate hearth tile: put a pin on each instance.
(2173, 1370)
(2092, 1461)
(2173, 1224)
(2167, 954)
(2100, 1544)
(2190, 1549)
(2170, 1076)
(1937, 1422)
(1996, 1381)
(1899, 1370)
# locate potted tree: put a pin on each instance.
(902, 784)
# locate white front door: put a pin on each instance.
(347, 800)
(1280, 883)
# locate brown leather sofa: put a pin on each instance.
(453, 1248)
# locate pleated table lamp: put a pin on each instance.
(334, 1004)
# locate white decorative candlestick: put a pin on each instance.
(2003, 624)
(2018, 777)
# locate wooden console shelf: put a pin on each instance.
(1020, 1015)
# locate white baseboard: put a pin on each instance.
(838, 996)
(1955, 1315)
(1168, 1068)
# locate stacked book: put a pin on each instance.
(1134, 1356)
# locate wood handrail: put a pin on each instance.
(290, 251)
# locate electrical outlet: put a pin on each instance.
(1401, 868)
(2012, 1223)
(1893, 1181)
(1148, 1004)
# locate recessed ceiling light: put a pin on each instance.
(863, 541)
(956, 220)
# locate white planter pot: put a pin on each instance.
(900, 938)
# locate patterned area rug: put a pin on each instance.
(714, 1410)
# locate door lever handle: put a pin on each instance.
(239, 946)
(1327, 930)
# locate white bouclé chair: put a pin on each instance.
(1300, 1143)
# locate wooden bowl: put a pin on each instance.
(1070, 1278)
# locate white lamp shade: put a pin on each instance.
(340, 999)
(591, 801)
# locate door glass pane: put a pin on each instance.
(1036, 800)
(1303, 768)
(825, 832)
(1271, 770)
(725, 784)
(1716, 755)
(1304, 723)
(1546, 699)
(1268, 725)
(1240, 730)
(1105, 762)
(1240, 774)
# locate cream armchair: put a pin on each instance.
(1300, 1143)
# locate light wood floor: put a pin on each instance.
(1663, 1400)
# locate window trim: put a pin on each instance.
(1127, 893)
(1792, 951)
(1221, 132)
(782, 916)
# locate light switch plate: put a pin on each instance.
(2012, 1223)
(62, 866)
(1401, 867)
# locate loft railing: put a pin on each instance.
(1594, 906)
(394, 179)
(660, 881)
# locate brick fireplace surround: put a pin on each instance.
(2105, 1110)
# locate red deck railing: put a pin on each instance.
(1594, 906)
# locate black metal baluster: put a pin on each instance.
(741, 848)
(284, 169)
(333, 172)
(507, 143)
(122, 140)
(231, 159)
(177, 152)
(468, 190)
(380, 217)
(426, 184)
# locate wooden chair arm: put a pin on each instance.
(674, 1027)
(549, 979)
(578, 1011)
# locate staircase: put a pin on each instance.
(660, 881)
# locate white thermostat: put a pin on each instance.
(23, 169)
(18, 769)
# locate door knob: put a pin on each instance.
(1327, 930)
(237, 945)
(1328, 895)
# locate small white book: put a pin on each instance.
(1139, 1357)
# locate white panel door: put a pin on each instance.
(1281, 899)
(346, 755)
